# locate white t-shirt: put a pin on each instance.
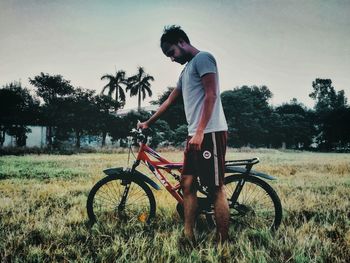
(190, 84)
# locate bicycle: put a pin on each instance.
(124, 194)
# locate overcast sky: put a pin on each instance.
(284, 45)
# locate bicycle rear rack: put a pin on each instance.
(248, 163)
(243, 162)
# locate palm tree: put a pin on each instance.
(138, 84)
(114, 84)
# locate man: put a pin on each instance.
(204, 156)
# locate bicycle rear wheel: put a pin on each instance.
(257, 205)
(117, 198)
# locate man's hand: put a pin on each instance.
(196, 141)
(142, 125)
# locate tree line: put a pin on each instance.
(67, 111)
(71, 113)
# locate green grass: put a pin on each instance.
(43, 216)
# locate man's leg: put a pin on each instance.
(222, 214)
(190, 204)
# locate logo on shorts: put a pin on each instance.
(206, 155)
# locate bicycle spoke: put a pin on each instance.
(107, 202)
(254, 207)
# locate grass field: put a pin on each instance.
(43, 216)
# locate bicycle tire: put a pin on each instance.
(258, 205)
(104, 204)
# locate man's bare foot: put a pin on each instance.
(186, 244)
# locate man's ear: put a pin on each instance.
(181, 43)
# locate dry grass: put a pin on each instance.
(43, 215)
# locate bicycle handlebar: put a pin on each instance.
(139, 135)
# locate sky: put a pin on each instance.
(282, 44)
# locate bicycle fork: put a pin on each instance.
(127, 184)
(121, 205)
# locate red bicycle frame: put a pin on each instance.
(161, 164)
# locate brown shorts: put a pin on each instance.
(208, 164)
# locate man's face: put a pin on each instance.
(175, 52)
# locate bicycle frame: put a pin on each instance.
(155, 167)
(167, 166)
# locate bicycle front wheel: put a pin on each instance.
(117, 198)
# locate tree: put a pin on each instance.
(296, 126)
(175, 115)
(117, 128)
(336, 130)
(247, 113)
(78, 113)
(180, 134)
(122, 126)
(161, 133)
(158, 133)
(83, 113)
(329, 103)
(132, 118)
(104, 120)
(50, 89)
(20, 134)
(326, 97)
(114, 85)
(17, 109)
(140, 83)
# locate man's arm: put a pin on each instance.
(209, 82)
(165, 105)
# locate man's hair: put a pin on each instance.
(173, 34)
